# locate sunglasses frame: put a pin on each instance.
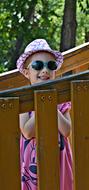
(44, 64)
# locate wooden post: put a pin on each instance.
(9, 144)
(47, 139)
(80, 118)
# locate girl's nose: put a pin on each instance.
(45, 70)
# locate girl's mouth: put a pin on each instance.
(43, 77)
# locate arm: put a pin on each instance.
(64, 123)
(27, 125)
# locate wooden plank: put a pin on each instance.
(81, 69)
(26, 93)
(73, 59)
(47, 139)
(12, 79)
(80, 118)
(9, 144)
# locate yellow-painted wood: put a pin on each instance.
(47, 139)
(80, 118)
(9, 144)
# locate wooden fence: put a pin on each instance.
(43, 98)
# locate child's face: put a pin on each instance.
(36, 76)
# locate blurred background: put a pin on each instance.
(63, 23)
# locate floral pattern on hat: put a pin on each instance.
(35, 46)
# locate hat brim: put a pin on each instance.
(22, 59)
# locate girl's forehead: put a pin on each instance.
(43, 56)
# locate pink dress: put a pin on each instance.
(29, 162)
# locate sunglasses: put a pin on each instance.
(39, 65)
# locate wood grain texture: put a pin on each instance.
(47, 139)
(9, 144)
(80, 134)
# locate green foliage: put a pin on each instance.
(22, 21)
(82, 20)
(84, 6)
(16, 25)
(3, 68)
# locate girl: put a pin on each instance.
(38, 63)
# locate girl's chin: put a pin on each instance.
(39, 80)
(42, 80)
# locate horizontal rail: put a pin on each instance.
(26, 93)
(75, 58)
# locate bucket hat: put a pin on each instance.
(36, 46)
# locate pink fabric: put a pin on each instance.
(29, 162)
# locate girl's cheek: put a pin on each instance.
(53, 75)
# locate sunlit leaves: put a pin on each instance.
(21, 20)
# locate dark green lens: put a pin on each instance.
(37, 65)
(52, 65)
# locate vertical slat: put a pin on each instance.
(80, 118)
(47, 139)
(9, 144)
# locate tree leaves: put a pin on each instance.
(22, 21)
(84, 6)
